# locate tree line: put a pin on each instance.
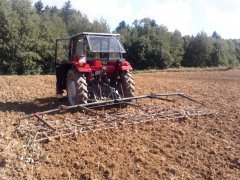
(28, 33)
(150, 45)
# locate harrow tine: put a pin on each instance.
(35, 137)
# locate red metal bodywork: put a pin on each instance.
(97, 66)
(125, 66)
(82, 68)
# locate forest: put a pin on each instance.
(28, 32)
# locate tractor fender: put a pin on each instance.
(125, 66)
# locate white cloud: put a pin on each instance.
(224, 5)
(174, 14)
(222, 17)
(113, 11)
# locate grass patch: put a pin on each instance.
(185, 69)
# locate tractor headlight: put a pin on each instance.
(82, 60)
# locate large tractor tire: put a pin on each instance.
(127, 84)
(77, 91)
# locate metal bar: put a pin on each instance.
(132, 104)
(40, 113)
(111, 104)
(87, 109)
(122, 100)
(104, 105)
(45, 122)
(168, 100)
(190, 98)
(108, 102)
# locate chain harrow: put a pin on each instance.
(41, 129)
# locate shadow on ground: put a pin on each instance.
(43, 104)
(37, 105)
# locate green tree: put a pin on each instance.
(100, 26)
(198, 53)
(26, 57)
(216, 35)
(9, 25)
(121, 26)
(148, 45)
(66, 13)
(177, 50)
(78, 23)
(51, 28)
(232, 54)
(237, 48)
(219, 52)
(39, 6)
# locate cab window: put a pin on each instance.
(79, 47)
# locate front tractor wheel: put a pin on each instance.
(77, 91)
(127, 84)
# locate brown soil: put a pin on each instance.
(202, 148)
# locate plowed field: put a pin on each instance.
(197, 148)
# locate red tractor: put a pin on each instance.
(91, 67)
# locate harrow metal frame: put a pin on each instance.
(42, 130)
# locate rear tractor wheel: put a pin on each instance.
(127, 84)
(77, 91)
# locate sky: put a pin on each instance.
(188, 16)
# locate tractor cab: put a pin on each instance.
(95, 50)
